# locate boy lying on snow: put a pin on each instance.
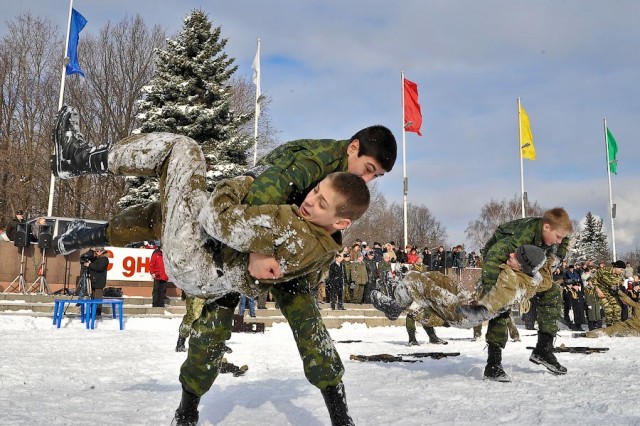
(299, 238)
(438, 300)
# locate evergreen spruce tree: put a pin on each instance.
(591, 242)
(190, 95)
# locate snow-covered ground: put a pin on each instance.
(74, 376)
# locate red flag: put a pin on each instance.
(412, 113)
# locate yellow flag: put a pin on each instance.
(526, 138)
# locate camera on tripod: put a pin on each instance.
(87, 256)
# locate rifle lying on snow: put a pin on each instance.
(348, 341)
(399, 358)
(576, 349)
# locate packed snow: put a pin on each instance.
(75, 376)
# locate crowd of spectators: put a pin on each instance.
(360, 266)
(584, 292)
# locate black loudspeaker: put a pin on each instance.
(22, 235)
(45, 237)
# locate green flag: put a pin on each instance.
(612, 153)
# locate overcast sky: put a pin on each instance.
(333, 67)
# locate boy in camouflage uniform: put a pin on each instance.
(432, 293)
(549, 232)
(608, 280)
(285, 175)
(627, 328)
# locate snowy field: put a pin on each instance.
(74, 376)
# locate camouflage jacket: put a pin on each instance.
(301, 248)
(359, 273)
(289, 172)
(508, 237)
(605, 279)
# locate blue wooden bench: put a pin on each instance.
(88, 308)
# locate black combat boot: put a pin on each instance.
(73, 156)
(431, 332)
(79, 235)
(493, 370)
(336, 401)
(543, 354)
(180, 345)
(187, 412)
(412, 338)
(387, 305)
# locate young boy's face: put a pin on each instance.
(368, 168)
(552, 236)
(319, 207)
(512, 261)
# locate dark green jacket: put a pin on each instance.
(508, 237)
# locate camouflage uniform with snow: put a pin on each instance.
(506, 239)
(435, 294)
(283, 177)
(191, 216)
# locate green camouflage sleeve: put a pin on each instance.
(605, 279)
(291, 170)
(507, 240)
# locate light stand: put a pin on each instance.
(42, 279)
(18, 283)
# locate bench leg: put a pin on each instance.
(120, 315)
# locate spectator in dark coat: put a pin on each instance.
(13, 225)
(160, 278)
(336, 281)
(98, 273)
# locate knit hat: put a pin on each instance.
(619, 264)
(531, 258)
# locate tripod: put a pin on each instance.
(18, 283)
(42, 271)
(65, 285)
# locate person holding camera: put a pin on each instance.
(97, 266)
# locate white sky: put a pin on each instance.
(333, 67)
(74, 376)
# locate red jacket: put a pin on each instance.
(156, 266)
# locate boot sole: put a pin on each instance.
(61, 119)
(548, 366)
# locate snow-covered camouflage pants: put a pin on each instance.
(194, 311)
(180, 164)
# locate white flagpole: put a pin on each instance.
(611, 216)
(521, 162)
(405, 180)
(256, 81)
(52, 184)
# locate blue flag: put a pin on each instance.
(77, 24)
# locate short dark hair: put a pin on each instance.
(378, 142)
(354, 193)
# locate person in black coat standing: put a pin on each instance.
(97, 267)
(335, 283)
(13, 225)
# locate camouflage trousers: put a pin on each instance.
(549, 312)
(322, 364)
(410, 324)
(611, 307)
(194, 310)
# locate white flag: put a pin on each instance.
(256, 78)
